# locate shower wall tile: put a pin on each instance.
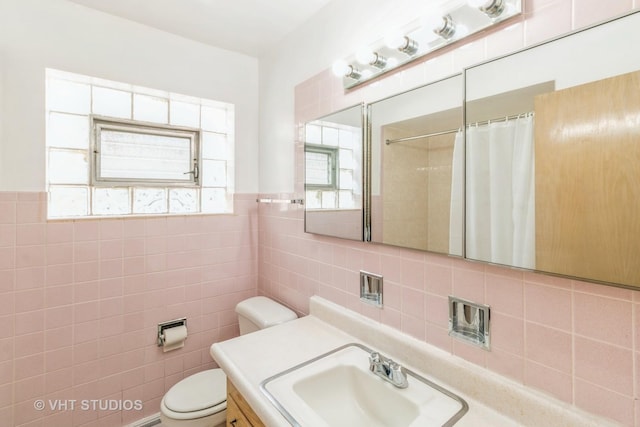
(604, 364)
(546, 19)
(589, 12)
(618, 313)
(605, 402)
(556, 383)
(80, 300)
(506, 294)
(549, 306)
(469, 282)
(503, 42)
(508, 333)
(549, 347)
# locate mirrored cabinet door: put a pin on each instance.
(333, 153)
(416, 150)
(553, 156)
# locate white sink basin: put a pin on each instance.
(337, 389)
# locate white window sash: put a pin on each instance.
(186, 176)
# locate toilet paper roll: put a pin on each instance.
(174, 338)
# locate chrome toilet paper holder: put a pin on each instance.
(167, 325)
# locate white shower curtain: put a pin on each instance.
(500, 209)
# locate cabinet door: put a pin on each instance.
(239, 412)
(235, 417)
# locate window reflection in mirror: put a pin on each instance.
(417, 168)
(552, 156)
(333, 174)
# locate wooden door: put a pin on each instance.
(587, 159)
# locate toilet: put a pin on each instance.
(200, 400)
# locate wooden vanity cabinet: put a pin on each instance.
(239, 413)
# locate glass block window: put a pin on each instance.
(330, 165)
(115, 149)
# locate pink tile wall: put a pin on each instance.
(80, 300)
(576, 341)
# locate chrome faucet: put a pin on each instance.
(388, 370)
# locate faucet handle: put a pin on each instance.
(396, 375)
(374, 360)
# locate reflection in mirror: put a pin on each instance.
(417, 168)
(333, 174)
(499, 177)
(553, 156)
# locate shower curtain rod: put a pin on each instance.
(445, 132)
(427, 135)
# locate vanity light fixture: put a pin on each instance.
(492, 8)
(452, 22)
(444, 27)
(368, 57)
(402, 43)
(342, 69)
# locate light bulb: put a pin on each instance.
(441, 25)
(395, 40)
(477, 3)
(462, 31)
(340, 68)
(365, 56)
(432, 21)
(491, 8)
(366, 74)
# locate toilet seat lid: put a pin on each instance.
(197, 392)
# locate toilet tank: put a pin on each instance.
(261, 312)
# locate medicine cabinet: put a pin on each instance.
(553, 156)
(531, 160)
(333, 153)
(416, 145)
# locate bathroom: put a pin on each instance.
(81, 299)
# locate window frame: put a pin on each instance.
(100, 123)
(333, 156)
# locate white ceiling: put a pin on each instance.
(246, 26)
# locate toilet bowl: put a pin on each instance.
(200, 400)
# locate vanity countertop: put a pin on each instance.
(493, 400)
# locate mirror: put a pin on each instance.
(553, 156)
(416, 146)
(333, 174)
